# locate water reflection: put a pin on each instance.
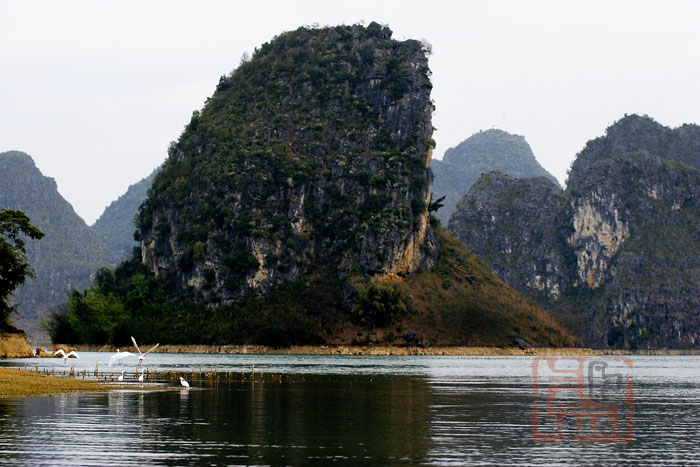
(375, 421)
(434, 411)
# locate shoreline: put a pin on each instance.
(17, 382)
(387, 350)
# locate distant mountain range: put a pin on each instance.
(615, 256)
(66, 258)
(115, 228)
(71, 252)
(485, 151)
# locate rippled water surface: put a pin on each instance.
(316, 410)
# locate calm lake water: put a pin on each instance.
(319, 410)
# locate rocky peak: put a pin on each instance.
(615, 254)
(642, 134)
(486, 151)
(314, 152)
(518, 238)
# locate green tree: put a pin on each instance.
(14, 267)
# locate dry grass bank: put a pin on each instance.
(16, 382)
(14, 345)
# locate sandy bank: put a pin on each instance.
(387, 350)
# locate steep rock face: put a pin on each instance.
(516, 242)
(315, 151)
(115, 227)
(598, 234)
(294, 209)
(66, 258)
(626, 230)
(486, 151)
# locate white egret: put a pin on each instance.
(141, 376)
(65, 356)
(184, 383)
(142, 355)
(120, 378)
(118, 356)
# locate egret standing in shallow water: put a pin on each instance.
(142, 355)
(62, 353)
(118, 356)
(184, 383)
(120, 378)
(141, 376)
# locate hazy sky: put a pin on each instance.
(95, 90)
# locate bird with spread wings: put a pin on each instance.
(142, 355)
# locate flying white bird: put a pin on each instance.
(118, 356)
(184, 383)
(142, 355)
(120, 378)
(65, 356)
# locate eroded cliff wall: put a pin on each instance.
(617, 253)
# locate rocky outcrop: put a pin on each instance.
(315, 151)
(486, 151)
(66, 258)
(508, 222)
(294, 209)
(621, 243)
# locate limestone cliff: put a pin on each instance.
(508, 223)
(616, 254)
(486, 151)
(294, 209)
(315, 151)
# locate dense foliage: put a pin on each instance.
(14, 267)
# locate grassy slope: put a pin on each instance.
(468, 305)
(461, 302)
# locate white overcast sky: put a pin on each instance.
(95, 90)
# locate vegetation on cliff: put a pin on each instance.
(457, 302)
(294, 209)
(486, 151)
(615, 256)
(314, 150)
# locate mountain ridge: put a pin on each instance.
(615, 255)
(66, 258)
(485, 151)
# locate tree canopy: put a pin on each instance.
(14, 267)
